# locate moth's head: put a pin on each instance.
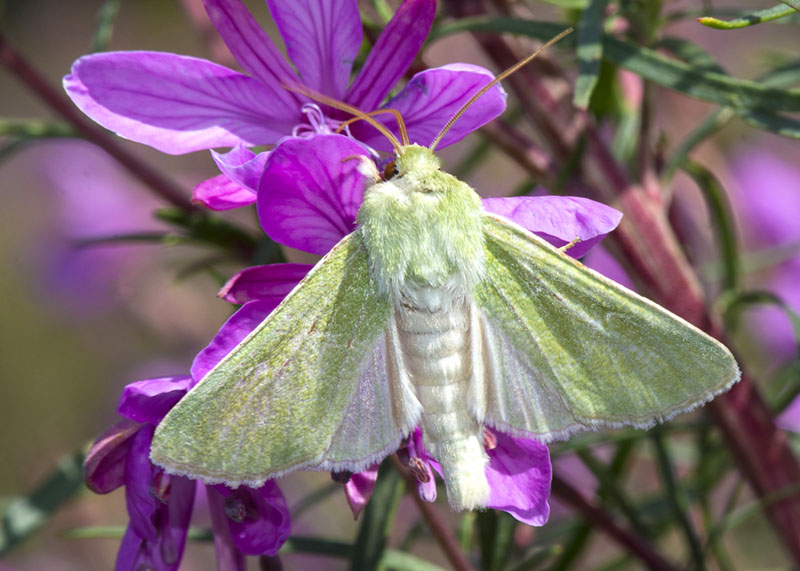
(417, 159)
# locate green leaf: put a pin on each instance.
(496, 532)
(722, 222)
(207, 228)
(317, 546)
(677, 498)
(590, 51)
(105, 25)
(741, 94)
(765, 15)
(35, 129)
(402, 561)
(734, 304)
(25, 514)
(690, 53)
(376, 523)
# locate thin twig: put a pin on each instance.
(597, 516)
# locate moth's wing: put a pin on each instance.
(315, 386)
(566, 349)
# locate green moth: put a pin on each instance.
(434, 313)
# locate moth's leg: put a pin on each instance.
(563, 249)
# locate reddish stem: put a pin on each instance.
(595, 515)
(436, 523)
(61, 104)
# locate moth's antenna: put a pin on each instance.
(355, 111)
(401, 124)
(491, 84)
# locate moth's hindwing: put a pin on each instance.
(567, 349)
(307, 388)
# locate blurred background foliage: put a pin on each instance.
(701, 118)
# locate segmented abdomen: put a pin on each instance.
(435, 339)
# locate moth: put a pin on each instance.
(434, 313)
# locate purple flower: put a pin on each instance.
(160, 505)
(179, 104)
(308, 198)
(766, 203)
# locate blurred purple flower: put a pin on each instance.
(160, 505)
(93, 199)
(766, 204)
(178, 104)
(308, 199)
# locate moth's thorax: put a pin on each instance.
(423, 227)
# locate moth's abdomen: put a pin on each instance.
(435, 340)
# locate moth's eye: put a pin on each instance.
(390, 171)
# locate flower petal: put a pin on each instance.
(392, 54)
(322, 39)
(431, 99)
(255, 52)
(559, 219)
(150, 400)
(221, 193)
(310, 192)
(104, 466)
(601, 261)
(266, 523)
(789, 419)
(174, 521)
(358, 489)
(139, 474)
(176, 104)
(265, 283)
(237, 327)
(242, 166)
(519, 475)
(227, 554)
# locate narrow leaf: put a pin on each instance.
(24, 515)
(377, 519)
(401, 561)
(765, 15)
(722, 222)
(741, 94)
(590, 52)
(106, 17)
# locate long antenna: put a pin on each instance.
(401, 125)
(342, 106)
(491, 84)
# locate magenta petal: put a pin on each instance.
(519, 475)
(322, 39)
(104, 466)
(432, 97)
(395, 49)
(265, 283)
(559, 219)
(173, 521)
(221, 193)
(358, 489)
(310, 192)
(601, 261)
(139, 474)
(227, 554)
(242, 166)
(789, 419)
(176, 104)
(150, 400)
(265, 522)
(768, 200)
(255, 52)
(237, 327)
